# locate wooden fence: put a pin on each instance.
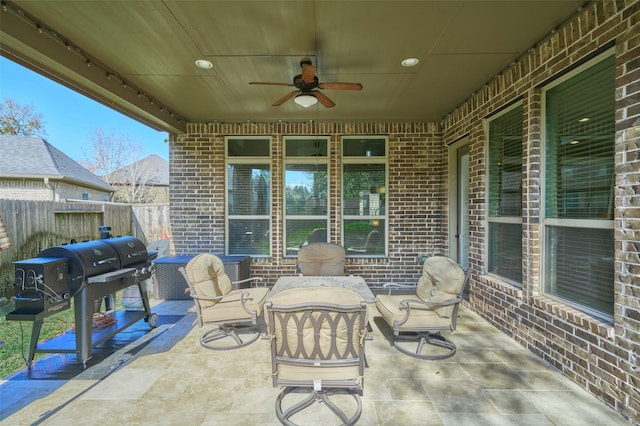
(33, 226)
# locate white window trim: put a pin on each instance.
(554, 222)
(366, 160)
(245, 160)
(515, 220)
(303, 160)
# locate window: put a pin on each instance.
(248, 183)
(505, 195)
(578, 188)
(306, 181)
(364, 183)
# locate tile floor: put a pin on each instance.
(164, 376)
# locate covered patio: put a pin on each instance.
(164, 376)
(510, 146)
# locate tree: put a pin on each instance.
(114, 158)
(20, 120)
(108, 152)
(133, 183)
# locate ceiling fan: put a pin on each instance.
(306, 84)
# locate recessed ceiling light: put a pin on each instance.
(574, 142)
(410, 62)
(204, 64)
(583, 120)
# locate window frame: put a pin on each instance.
(345, 160)
(304, 160)
(508, 220)
(252, 160)
(549, 222)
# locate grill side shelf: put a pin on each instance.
(112, 276)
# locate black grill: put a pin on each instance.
(87, 272)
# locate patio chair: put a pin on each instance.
(434, 308)
(321, 259)
(234, 312)
(317, 347)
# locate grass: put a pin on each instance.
(17, 334)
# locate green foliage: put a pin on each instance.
(17, 334)
(20, 120)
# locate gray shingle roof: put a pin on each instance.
(33, 157)
(153, 168)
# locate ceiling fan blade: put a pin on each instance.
(340, 86)
(323, 99)
(271, 84)
(308, 72)
(285, 98)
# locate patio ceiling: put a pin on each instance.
(138, 56)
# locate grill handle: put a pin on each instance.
(103, 261)
(26, 299)
(136, 254)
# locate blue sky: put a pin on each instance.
(71, 118)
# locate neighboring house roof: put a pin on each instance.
(152, 170)
(35, 158)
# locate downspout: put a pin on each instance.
(49, 186)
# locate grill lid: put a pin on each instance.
(131, 251)
(86, 259)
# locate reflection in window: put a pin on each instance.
(248, 201)
(505, 195)
(579, 185)
(306, 192)
(364, 183)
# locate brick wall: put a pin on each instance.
(602, 358)
(415, 193)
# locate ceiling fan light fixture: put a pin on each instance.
(305, 100)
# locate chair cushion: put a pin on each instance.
(321, 259)
(389, 307)
(230, 308)
(442, 279)
(206, 273)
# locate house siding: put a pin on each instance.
(37, 190)
(601, 357)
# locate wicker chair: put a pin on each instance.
(317, 347)
(433, 309)
(234, 312)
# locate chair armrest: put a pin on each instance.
(221, 299)
(208, 298)
(255, 281)
(391, 286)
(428, 304)
(446, 302)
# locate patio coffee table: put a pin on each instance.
(351, 282)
